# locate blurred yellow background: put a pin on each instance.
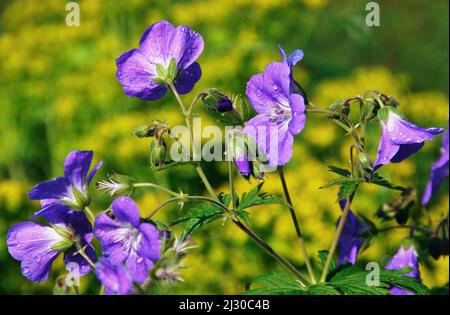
(58, 92)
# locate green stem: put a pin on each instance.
(349, 129)
(272, 252)
(205, 181)
(336, 238)
(231, 179)
(186, 115)
(296, 225)
(89, 213)
(156, 186)
(81, 251)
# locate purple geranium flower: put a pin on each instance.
(166, 53)
(115, 278)
(37, 245)
(281, 110)
(399, 138)
(402, 259)
(438, 172)
(126, 240)
(71, 189)
(352, 237)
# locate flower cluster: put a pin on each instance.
(136, 251)
(62, 202)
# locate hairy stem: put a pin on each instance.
(335, 241)
(89, 213)
(156, 186)
(231, 179)
(83, 254)
(272, 252)
(186, 115)
(296, 225)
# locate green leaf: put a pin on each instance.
(255, 198)
(350, 280)
(225, 199)
(323, 255)
(339, 171)
(380, 181)
(397, 278)
(322, 289)
(199, 216)
(347, 189)
(276, 283)
(244, 215)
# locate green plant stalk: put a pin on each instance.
(156, 186)
(231, 179)
(272, 252)
(89, 213)
(186, 115)
(349, 129)
(335, 241)
(296, 225)
(83, 254)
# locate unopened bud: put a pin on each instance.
(157, 126)
(158, 149)
(216, 101)
(365, 166)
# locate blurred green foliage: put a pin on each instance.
(58, 92)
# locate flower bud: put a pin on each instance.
(158, 149)
(216, 101)
(243, 108)
(365, 166)
(150, 130)
(257, 168)
(118, 185)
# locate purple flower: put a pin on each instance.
(126, 240)
(37, 245)
(115, 278)
(399, 137)
(438, 172)
(71, 189)
(244, 166)
(281, 110)
(166, 53)
(402, 259)
(352, 237)
(244, 158)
